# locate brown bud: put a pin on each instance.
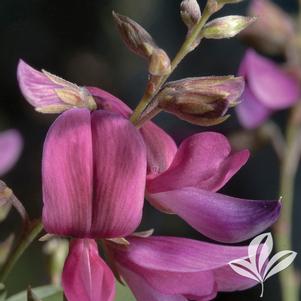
(202, 101)
(273, 30)
(226, 27)
(190, 12)
(136, 38)
(5, 200)
(159, 63)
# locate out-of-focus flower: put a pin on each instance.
(10, 149)
(268, 89)
(178, 269)
(273, 30)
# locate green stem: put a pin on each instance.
(184, 50)
(283, 233)
(25, 241)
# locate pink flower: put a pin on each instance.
(178, 269)
(203, 164)
(86, 277)
(183, 181)
(94, 169)
(268, 89)
(10, 149)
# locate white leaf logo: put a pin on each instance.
(258, 267)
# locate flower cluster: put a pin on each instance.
(97, 169)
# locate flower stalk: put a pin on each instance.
(283, 233)
(186, 48)
(28, 237)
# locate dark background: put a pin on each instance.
(78, 41)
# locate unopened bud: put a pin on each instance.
(190, 12)
(272, 31)
(202, 101)
(213, 6)
(159, 63)
(226, 27)
(6, 195)
(57, 250)
(136, 38)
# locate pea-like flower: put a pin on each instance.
(160, 268)
(97, 167)
(94, 169)
(268, 89)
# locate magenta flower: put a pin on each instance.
(182, 181)
(202, 165)
(94, 169)
(86, 276)
(178, 269)
(10, 149)
(268, 89)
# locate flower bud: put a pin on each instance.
(139, 41)
(273, 29)
(5, 200)
(57, 250)
(136, 38)
(202, 101)
(159, 63)
(190, 12)
(226, 27)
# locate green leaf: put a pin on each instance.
(45, 293)
(53, 293)
(2, 292)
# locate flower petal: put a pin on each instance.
(217, 216)
(10, 149)
(161, 149)
(119, 175)
(86, 277)
(272, 86)
(109, 102)
(67, 171)
(204, 161)
(142, 290)
(180, 266)
(251, 112)
(36, 87)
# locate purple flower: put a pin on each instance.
(95, 169)
(268, 89)
(178, 269)
(203, 164)
(86, 277)
(10, 149)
